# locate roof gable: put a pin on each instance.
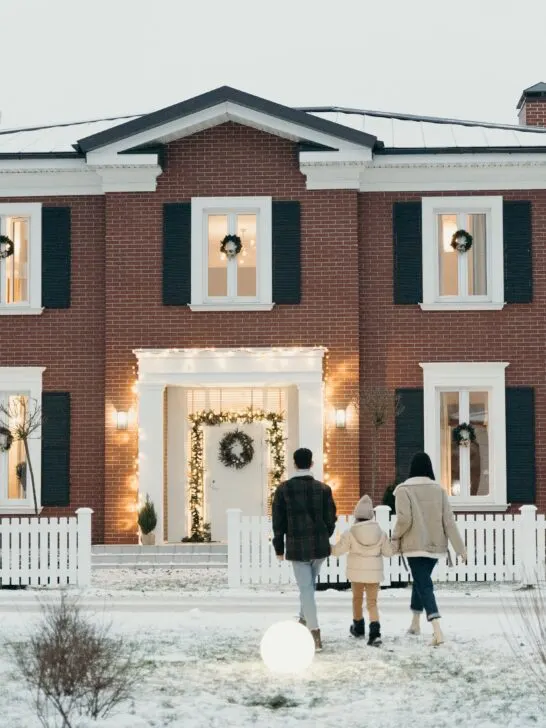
(224, 104)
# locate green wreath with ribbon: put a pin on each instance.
(461, 241)
(9, 439)
(232, 441)
(231, 246)
(464, 434)
(6, 246)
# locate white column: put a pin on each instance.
(311, 422)
(150, 448)
(177, 457)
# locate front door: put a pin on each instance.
(227, 487)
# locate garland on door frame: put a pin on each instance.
(464, 434)
(200, 531)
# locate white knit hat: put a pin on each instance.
(364, 509)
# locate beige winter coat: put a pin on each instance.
(366, 545)
(424, 519)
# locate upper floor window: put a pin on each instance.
(469, 278)
(20, 272)
(231, 253)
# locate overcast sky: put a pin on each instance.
(65, 60)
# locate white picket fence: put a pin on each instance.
(46, 551)
(500, 548)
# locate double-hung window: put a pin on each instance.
(455, 279)
(20, 272)
(231, 254)
(471, 395)
(20, 389)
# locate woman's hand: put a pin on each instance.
(463, 557)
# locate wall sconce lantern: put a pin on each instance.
(341, 418)
(122, 420)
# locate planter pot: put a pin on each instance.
(147, 539)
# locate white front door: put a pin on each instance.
(231, 488)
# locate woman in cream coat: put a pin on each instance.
(424, 525)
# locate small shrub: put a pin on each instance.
(74, 668)
(147, 518)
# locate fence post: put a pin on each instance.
(528, 545)
(383, 518)
(234, 546)
(84, 546)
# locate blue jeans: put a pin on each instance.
(422, 594)
(306, 573)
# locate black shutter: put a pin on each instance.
(56, 449)
(408, 253)
(177, 253)
(286, 225)
(56, 257)
(409, 430)
(518, 255)
(520, 444)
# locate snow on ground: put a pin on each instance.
(206, 672)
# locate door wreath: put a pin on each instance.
(236, 449)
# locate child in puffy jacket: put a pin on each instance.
(367, 544)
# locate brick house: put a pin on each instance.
(119, 307)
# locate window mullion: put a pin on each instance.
(464, 452)
(232, 264)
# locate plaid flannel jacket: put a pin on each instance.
(304, 514)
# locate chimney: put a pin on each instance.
(532, 106)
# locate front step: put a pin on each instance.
(166, 556)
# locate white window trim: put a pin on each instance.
(32, 210)
(25, 380)
(490, 206)
(478, 376)
(202, 206)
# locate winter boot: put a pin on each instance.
(374, 638)
(415, 626)
(437, 636)
(357, 628)
(318, 641)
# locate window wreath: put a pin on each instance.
(231, 246)
(236, 449)
(461, 241)
(6, 246)
(7, 437)
(464, 434)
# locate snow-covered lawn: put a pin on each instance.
(202, 645)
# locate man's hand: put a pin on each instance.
(463, 558)
(280, 557)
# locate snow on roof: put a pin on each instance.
(395, 131)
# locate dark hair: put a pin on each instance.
(303, 458)
(421, 466)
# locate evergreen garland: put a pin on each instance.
(200, 531)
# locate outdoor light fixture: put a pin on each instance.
(287, 647)
(122, 420)
(341, 418)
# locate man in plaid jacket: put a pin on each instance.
(304, 516)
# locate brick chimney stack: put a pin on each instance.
(532, 106)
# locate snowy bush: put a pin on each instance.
(73, 667)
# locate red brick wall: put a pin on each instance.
(69, 343)
(394, 339)
(228, 160)
(533, 112)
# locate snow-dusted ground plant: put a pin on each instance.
(528, 634)
(74, 667)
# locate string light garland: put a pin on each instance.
(200, 531)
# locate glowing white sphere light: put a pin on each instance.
(287, 647)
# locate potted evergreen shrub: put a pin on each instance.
(147, 521)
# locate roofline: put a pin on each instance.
(385, 151)
(67, 123)
(530, 95)
(41, 155)
(414, 117)
(217, 96)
